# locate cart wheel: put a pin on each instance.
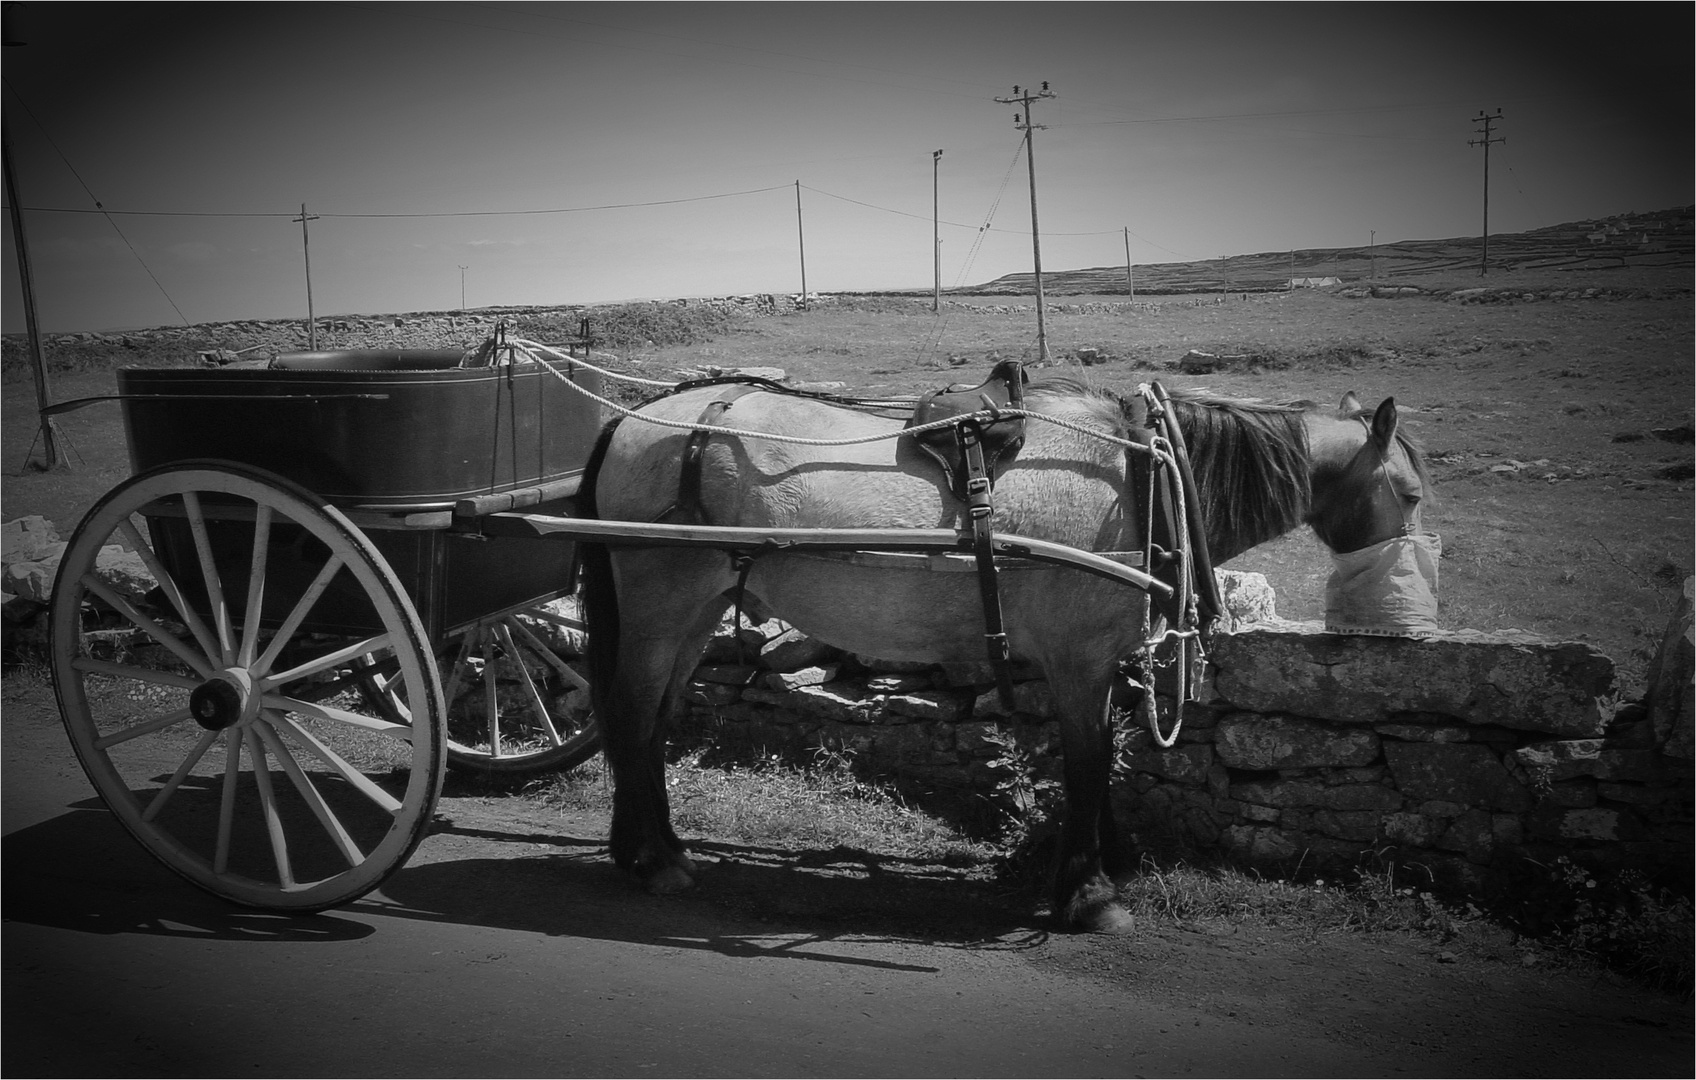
(238, 749)
(515, 707)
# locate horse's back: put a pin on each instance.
(851, 469)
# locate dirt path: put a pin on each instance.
(510, 946)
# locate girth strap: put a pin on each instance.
(979, 509)
(688, 506)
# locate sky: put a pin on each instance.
(508, 153)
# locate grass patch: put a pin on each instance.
(820, 805)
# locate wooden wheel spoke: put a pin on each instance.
(309, 792)
(536, 700)
(334, 659)
(163, 796)
(491, 694)
(168, 585)
(146, 727)
(336, 762)
(227, 802)
(201, 664)
(253, 611)
(298, 614)
(561, 668)
(209, 572)
(315, 711)
(268, 807)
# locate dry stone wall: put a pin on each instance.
(1470, 758)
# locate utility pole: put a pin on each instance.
(306, 249)
(1024, 123)
(26, 283)
(1484, 261)
(936, 229)
(462, 288)
(1130, 287)
(1372, 250)
(801, 234)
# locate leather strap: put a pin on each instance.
(979, 510)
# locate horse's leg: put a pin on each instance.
(1084, 896)
(667, 605)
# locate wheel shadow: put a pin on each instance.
(81, 871)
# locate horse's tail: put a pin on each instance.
(600, 598)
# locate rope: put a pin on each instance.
(800, 440)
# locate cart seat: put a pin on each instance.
(370, 360)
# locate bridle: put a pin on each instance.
(1410, 517)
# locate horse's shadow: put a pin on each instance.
(751, 900)
(81, 871)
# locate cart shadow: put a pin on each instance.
(751, 901)
(81, 871)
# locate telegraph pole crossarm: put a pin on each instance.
(1485, 142)
(1024, 123)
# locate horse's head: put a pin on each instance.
(1367, 480)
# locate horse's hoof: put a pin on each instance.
(672, 878)
(1111, 919)
(1106, 917)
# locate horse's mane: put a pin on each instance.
(1250, 462)
(1249, 458)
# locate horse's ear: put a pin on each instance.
(1350, 406)
(1384, 423)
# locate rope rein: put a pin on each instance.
(536, 352)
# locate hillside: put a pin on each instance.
(1660, 238)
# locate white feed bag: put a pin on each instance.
(1389, 589)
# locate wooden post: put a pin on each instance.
(306, 249)
(801, 235)
(26, 282)
(1130, 286)
(936, 229)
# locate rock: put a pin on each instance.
(944, 705)
(1031, 698)
(1499, 679)
(1465, 773)
(1248, 597)
(789, 680)
(1261, 742)
(1186, 764)
(792, 650)
(124, 572)
(23, 539)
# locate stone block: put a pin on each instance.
(1506, 680)
(944, 705)
(1472, 834)
(1274, 741)
(790, 680)
(899, 684)
(1464, 773)
(837, 701)
(1358, 825)
(1306, 793)
(727, 674)
(1415, 830)
(1263, 814)
(1030, 698)
(1183, 764)
(793, 651)
(708, 693)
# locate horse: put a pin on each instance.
(1260, 470)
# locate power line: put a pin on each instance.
(435, 214)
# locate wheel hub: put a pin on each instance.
(224, 700)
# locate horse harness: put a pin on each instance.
(962, 428)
